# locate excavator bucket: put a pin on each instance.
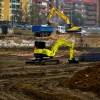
(48, 23)
(51, 24)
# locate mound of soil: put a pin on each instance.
(35, 94)
(87, 79)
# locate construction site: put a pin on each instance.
(50, 66)
(63, 81)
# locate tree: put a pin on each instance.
(34, 14)
(99, 22)
(29, 15)
(43, 19)
(21, 14)
(26, 17)
(77, 19)
(18, 14)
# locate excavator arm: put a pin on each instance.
(59, 13)
(61, 42)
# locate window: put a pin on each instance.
(13, 6)
(38, 3)
(43, 8)
(29, 2)
(13, 11)
(17, 6)
(76, 4)
(13, 0)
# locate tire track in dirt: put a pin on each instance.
(41, 78)
(12, 96)
(62, 69)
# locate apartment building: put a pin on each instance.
(9, 7)
(55, 3)
(46, 5)
(98, 9)
(42, 4)
(87, 8)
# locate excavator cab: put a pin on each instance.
(40, 44)
(68, 26)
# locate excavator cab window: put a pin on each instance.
(68, 26)
(40, 44)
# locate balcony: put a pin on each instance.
(67, 13)
(91, 17)
(67, 10)
(43, 11)
(91, 8)
(68, 6)
(91, 13)
(79, 7)
(42, 6)
(14, 6)
(90, 22)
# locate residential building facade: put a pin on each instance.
(9, 7)
(87, 8)
(46, 5)
(98, 9)
(55, 3)
(42, 4)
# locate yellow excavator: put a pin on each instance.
(45, 56)
(69, 26)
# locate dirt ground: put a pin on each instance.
(65, 81)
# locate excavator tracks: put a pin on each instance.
(50, 62)
(43, 62)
